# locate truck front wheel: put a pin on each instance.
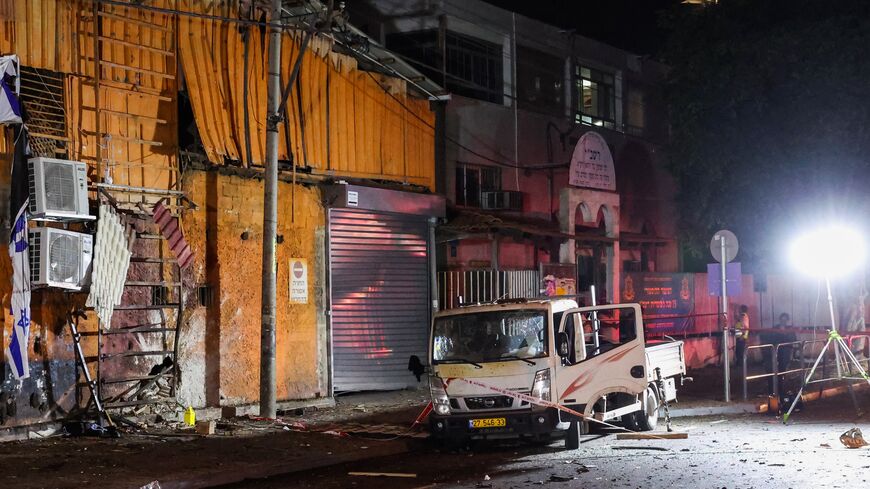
(648, 418)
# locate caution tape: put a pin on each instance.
(543, 403)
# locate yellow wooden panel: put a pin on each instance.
(351, 127)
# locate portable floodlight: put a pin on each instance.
(829, 252)
(826, 253)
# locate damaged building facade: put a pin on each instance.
(169, 108)
(525, 95)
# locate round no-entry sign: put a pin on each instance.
(731, 246)
(298, 270)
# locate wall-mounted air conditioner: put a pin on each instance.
(506, 200)
(58, 190)
(59, 258)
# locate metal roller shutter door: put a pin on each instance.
(379, 291)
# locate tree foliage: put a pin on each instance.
(770, 115)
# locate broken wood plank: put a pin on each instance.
(652, 436)
(205, 427)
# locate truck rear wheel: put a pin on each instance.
(648, 418)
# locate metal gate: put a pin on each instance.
(379, 293)
(459, 287)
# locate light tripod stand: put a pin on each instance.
(843, 356)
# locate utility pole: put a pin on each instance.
(268, 380)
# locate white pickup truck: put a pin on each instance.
(592, 360)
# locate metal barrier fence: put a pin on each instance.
(805, 352)
(472, 286)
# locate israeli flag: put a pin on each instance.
(17, 352)
(10, 106)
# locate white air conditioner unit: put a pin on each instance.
(59, 258)
(58, 190)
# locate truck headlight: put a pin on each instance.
(440, 401)
(541, 385)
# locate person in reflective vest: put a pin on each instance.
(741, 334)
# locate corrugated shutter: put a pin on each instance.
(379, 284)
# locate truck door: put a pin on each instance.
(605, 353)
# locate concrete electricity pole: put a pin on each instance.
(268, 381)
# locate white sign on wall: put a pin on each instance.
(298, 281)
(592, 163)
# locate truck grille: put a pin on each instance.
(489, 402)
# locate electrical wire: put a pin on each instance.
(462, 146)
(220, 18)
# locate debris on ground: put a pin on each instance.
(151, 485)
(583, 468)
(853, 438)
(205, 427)
(661, 449)
(825, 445)
(382, 474)
(561, 478)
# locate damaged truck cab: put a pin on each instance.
(500, 370)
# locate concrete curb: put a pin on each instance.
(236, 474)
(254, 409)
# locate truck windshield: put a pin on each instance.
(490, 336)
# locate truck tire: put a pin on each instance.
(648, 418)
(572, 437)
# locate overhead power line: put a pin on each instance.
(462, 146)
(220, 18)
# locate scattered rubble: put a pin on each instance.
(561, 478)
(853, 438)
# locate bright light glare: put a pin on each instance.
(829, 252)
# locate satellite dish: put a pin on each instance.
(731, 245)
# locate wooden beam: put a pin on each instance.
(137, 46)
(142, 23)
(147, 118)
(652, 436)
(48, 136)
(137, 70)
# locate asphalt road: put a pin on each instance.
(723, 452)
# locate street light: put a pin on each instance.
(830, 252)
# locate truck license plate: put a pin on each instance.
(487, 423)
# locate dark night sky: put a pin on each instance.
(629, 24)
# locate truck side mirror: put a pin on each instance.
(563, 344)
(416, 367)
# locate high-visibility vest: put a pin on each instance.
(741, 328)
